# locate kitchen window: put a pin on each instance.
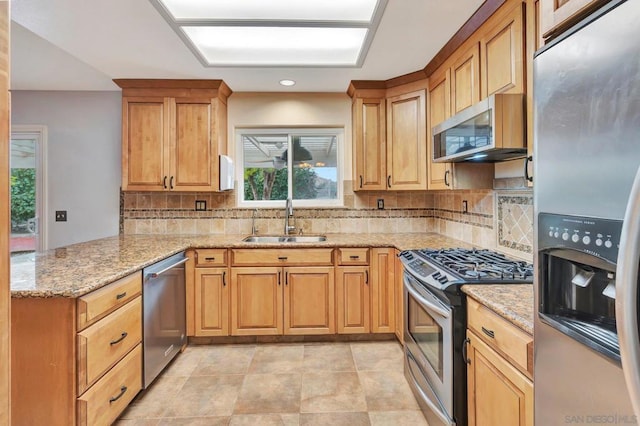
(301, 164)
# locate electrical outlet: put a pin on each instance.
(201, 205)
(380, 203)
(61, 215)
(465, 206)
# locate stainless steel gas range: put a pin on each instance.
(435, 322)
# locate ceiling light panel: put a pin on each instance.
(275, 10)
(277, 46)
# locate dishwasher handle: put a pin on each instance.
(178, 263)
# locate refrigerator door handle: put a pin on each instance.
(627, 295)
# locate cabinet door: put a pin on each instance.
(465, 79)
(309, 300)
(256, 301)
(555, 13)
(407, 142)
(145, 161)
(439, 174)
(192, 150)
(382, 291)
(498, 394)
(211, 302)
(352, 288)
(399, 290)
(502, 52)
(370, 163)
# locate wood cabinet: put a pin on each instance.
(500, 370)
(407, 141)
(77, 361)
(465, 79)
(282, 291)
(369, 141)
(172, 134)
(558, 15)
(207, 292)
(365, 294)
(502, 50)
(399, 298)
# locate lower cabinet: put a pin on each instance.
(211, 307)
(399, 297)
(282, 300)
(498, 393)
(77, 360)
(352, 288)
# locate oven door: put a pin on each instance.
(429, 350)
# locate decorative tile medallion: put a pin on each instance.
(515, 221)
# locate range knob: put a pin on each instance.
(565, 236)
(608, 244)
(599, 242)
(575, 238)
(586, 240)
(555, 234)
(551, 233)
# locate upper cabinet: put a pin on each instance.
(558, 15)
(465, 79)
(389, 139)
(172, 134)
(406, 141)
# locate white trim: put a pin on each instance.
(39, 134)
(338, 131)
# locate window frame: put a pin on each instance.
(338, 132)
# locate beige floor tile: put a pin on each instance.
(206, 396)
(195, 421)
(231, 359)
(269, 393)
(378, 356)
(395, 418)
(278, 358)
(185, 363)
(153, 402)
(334, 419)
(329, 392)
(137, 422)
(328, 357)
(265, 420)
(387, 391)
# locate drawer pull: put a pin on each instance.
(121, 295)
(489, 333)
(224, 279)
(354, 257)
(464, 350)
(209, 259)
(282, 257)
(113, 399)
(120, 339)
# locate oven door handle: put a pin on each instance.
(426, 303)
(627, 295)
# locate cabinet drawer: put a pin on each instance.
(104, 402)
(107, 341)
(286, 257)
(500, 334)
(97, 304)
(211, 257)
(353, 256)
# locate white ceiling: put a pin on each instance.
(83, 45)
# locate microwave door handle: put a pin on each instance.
(430, 305)
(627, 295)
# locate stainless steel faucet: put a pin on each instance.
(288, 212)
(254, 231)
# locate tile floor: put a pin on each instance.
(280, 384)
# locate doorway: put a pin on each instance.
(28, 189)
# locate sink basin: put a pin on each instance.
(285, 238)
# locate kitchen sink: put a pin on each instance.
(285, 238)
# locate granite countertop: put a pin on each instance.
(78, 269)
(513, 302)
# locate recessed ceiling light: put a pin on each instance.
(287, 82)
(275, 32)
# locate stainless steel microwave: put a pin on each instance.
(491, 130)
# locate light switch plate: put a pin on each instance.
(201, 205)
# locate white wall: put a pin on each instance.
(83, 159)
(290, 110)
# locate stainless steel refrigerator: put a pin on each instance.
(587, 221)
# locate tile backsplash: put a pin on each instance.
(500, 220)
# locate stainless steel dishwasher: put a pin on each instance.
(164, 317)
